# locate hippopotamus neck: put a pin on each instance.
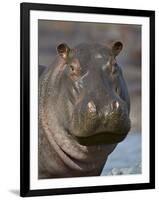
(73, 159)
(51, 97)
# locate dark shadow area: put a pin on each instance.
(15, 192)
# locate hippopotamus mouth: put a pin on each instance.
(96, 128)
(101, 138)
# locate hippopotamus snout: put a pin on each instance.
(115, 118)
(92, 119)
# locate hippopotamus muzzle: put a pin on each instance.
(92, 126)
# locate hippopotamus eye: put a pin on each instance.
(75, 69)
(75, 72)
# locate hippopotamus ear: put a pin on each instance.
(116, 48)
(63, 50)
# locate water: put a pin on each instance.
(126, 157)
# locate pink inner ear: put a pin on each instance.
(118, 46)
(61, 48)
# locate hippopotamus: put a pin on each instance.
(84, 109)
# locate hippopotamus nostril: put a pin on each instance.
(91, 107)
(115, 105)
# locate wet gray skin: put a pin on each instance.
(83, 110)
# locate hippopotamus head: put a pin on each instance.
(94, 101)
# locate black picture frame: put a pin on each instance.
(25, 9)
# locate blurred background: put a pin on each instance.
(126, 158)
